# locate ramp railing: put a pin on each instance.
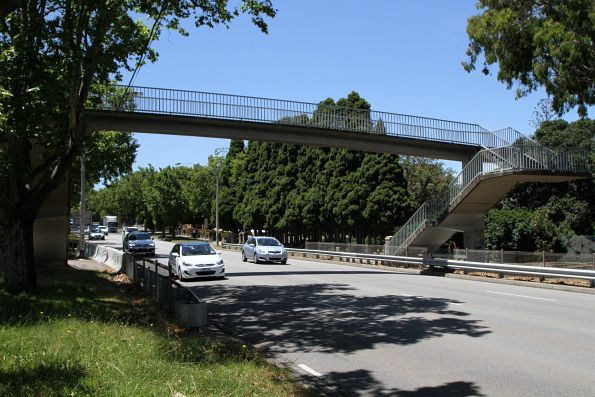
(525, 157)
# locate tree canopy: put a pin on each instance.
(541, 43)
(53, 54)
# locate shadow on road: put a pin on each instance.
(361, 382)
(328, 318)
(332, 318)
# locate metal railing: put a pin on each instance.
(449, 264)
(157, 281)
(303, 114)
(525, 157)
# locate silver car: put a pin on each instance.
(264, 249)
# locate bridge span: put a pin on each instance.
(497, 159)
(193, 113)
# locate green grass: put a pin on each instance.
(85, 335)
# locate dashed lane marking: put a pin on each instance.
(309, 370)
(521, 296)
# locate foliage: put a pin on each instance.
(160, 199)
(547, 43)
(53, 55)
(426, 178)
(522, 230)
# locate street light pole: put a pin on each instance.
(218, 152)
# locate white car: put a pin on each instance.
(196, 259)
(103, 229)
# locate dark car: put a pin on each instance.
(139, 243)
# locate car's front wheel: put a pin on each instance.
(180, 275)
(244, 259)
(256, 257)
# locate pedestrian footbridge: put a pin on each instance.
(493, 161)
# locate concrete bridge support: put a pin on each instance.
(51, 228)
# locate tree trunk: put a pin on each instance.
(16, 253)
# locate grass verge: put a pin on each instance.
(84, 334)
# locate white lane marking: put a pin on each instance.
(455, 304)
(407, 295)
(309, 370)
(522, 296)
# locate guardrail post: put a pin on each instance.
(543, 257)
(501, 255)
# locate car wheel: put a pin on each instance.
(180, 276)
(284, 262)
(256, 258)
(244, 259)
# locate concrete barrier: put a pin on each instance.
(106, 255)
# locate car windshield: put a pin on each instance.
(139, 236)
(197, 249)
(269, 242)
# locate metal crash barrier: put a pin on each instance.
(445, 264)
(157, 281)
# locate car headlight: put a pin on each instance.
(151, 244)
(259, 250)
(131, 244)
(220, 262)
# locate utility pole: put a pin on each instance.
(83, 205)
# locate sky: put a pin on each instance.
(402, 56)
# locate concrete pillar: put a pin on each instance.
(51, 228)
(473, 237)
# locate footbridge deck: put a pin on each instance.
(192, 113)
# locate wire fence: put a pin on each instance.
(541, 259)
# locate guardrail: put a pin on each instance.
(447, 264)
(157, 280)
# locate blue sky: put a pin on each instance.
(401, 56)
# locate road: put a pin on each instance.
(371, 332)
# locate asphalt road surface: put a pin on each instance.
(372, 332)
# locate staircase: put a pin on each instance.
(516, 156)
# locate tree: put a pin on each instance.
(426, 178)
(547, 43)
(109, 155)
(53, 54)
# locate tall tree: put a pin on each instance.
(539, 43)
(53, 53)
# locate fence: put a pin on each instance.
(543, 259)
(345, 247)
